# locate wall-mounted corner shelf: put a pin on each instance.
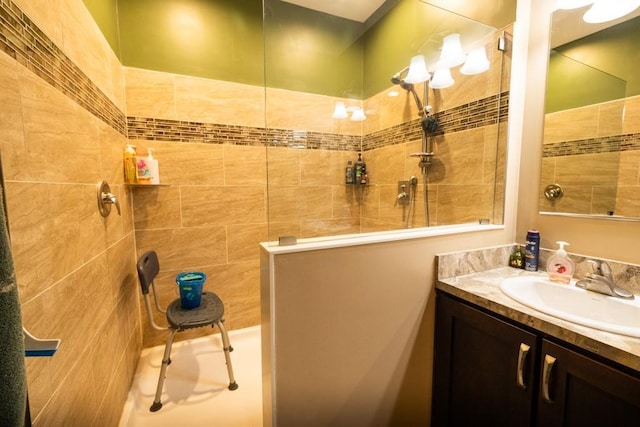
(146, 185)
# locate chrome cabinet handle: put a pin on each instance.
(549, 362)
(522, 358)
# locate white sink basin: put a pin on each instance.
(576, 305)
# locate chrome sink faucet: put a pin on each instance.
(601, 280)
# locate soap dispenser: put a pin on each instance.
(560, 267)
(152, 163)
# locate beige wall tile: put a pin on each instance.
(588, 169)
(570, 125)
(85, 45)
(610, 118)
(462, 156)
(346, 201)
(214, 101)
(629, 168)
(627, 201)
(47, 14)
(186, 163)
(245, 165)
(12, 148)
(464, 203)
(157, 207)
(296, 110)
(386, 165)
(207, 206)
(332, 227)
(632, 115)
(150, 94)
(277, 229)
(283, 166)
(186, 248)
(244, 241)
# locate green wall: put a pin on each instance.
(202, 38)
(597, 68)
(296, 48)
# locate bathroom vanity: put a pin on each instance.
(502, 363)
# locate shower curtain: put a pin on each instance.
(13, 388)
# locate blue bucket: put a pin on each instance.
(190, 284)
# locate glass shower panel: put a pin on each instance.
(316, 61)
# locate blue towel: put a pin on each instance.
(13, 387)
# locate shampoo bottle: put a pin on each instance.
(359, 169)
(560, 267)
(349, 173)
(129, 164)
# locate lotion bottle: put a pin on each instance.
(152, 164)
(560, 267)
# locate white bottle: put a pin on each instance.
(152, 164)
(560, 267)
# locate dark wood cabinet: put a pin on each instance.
(488, 371)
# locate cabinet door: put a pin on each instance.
(483, 369)
(578, 391)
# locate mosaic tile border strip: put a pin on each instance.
(476, 114)
(211, 133)
(607, 144)
(483, 112)
(21, 39)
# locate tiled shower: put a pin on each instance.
(70, 107)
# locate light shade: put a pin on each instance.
(417, 70)
(441, 79)
(358, 115)
(476, 62)
(607, 10)
(340, 112)
(452, 54)
(572, 4)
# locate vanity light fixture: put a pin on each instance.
(476, 62)
(606, 10)
(358, 115)
(601, 10)
(572, 4)
(417, 70)
(452, 53)
(340, 111)
(441, 79)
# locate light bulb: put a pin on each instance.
(417, 70)
(572, 4)
(476, 62)
(441, 79)
(340, 112)
(452, 54)
(358, 115)
(606, 10)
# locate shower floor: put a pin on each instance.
(195, 390)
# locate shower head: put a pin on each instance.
(397, 77)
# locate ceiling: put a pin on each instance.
(355, 10)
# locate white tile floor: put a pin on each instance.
(195, 390)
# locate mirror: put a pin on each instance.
(591, 151)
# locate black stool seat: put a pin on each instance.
(209, 312)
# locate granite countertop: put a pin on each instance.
(482, 289)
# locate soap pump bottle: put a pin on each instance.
(152, 164)
(560, 267)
